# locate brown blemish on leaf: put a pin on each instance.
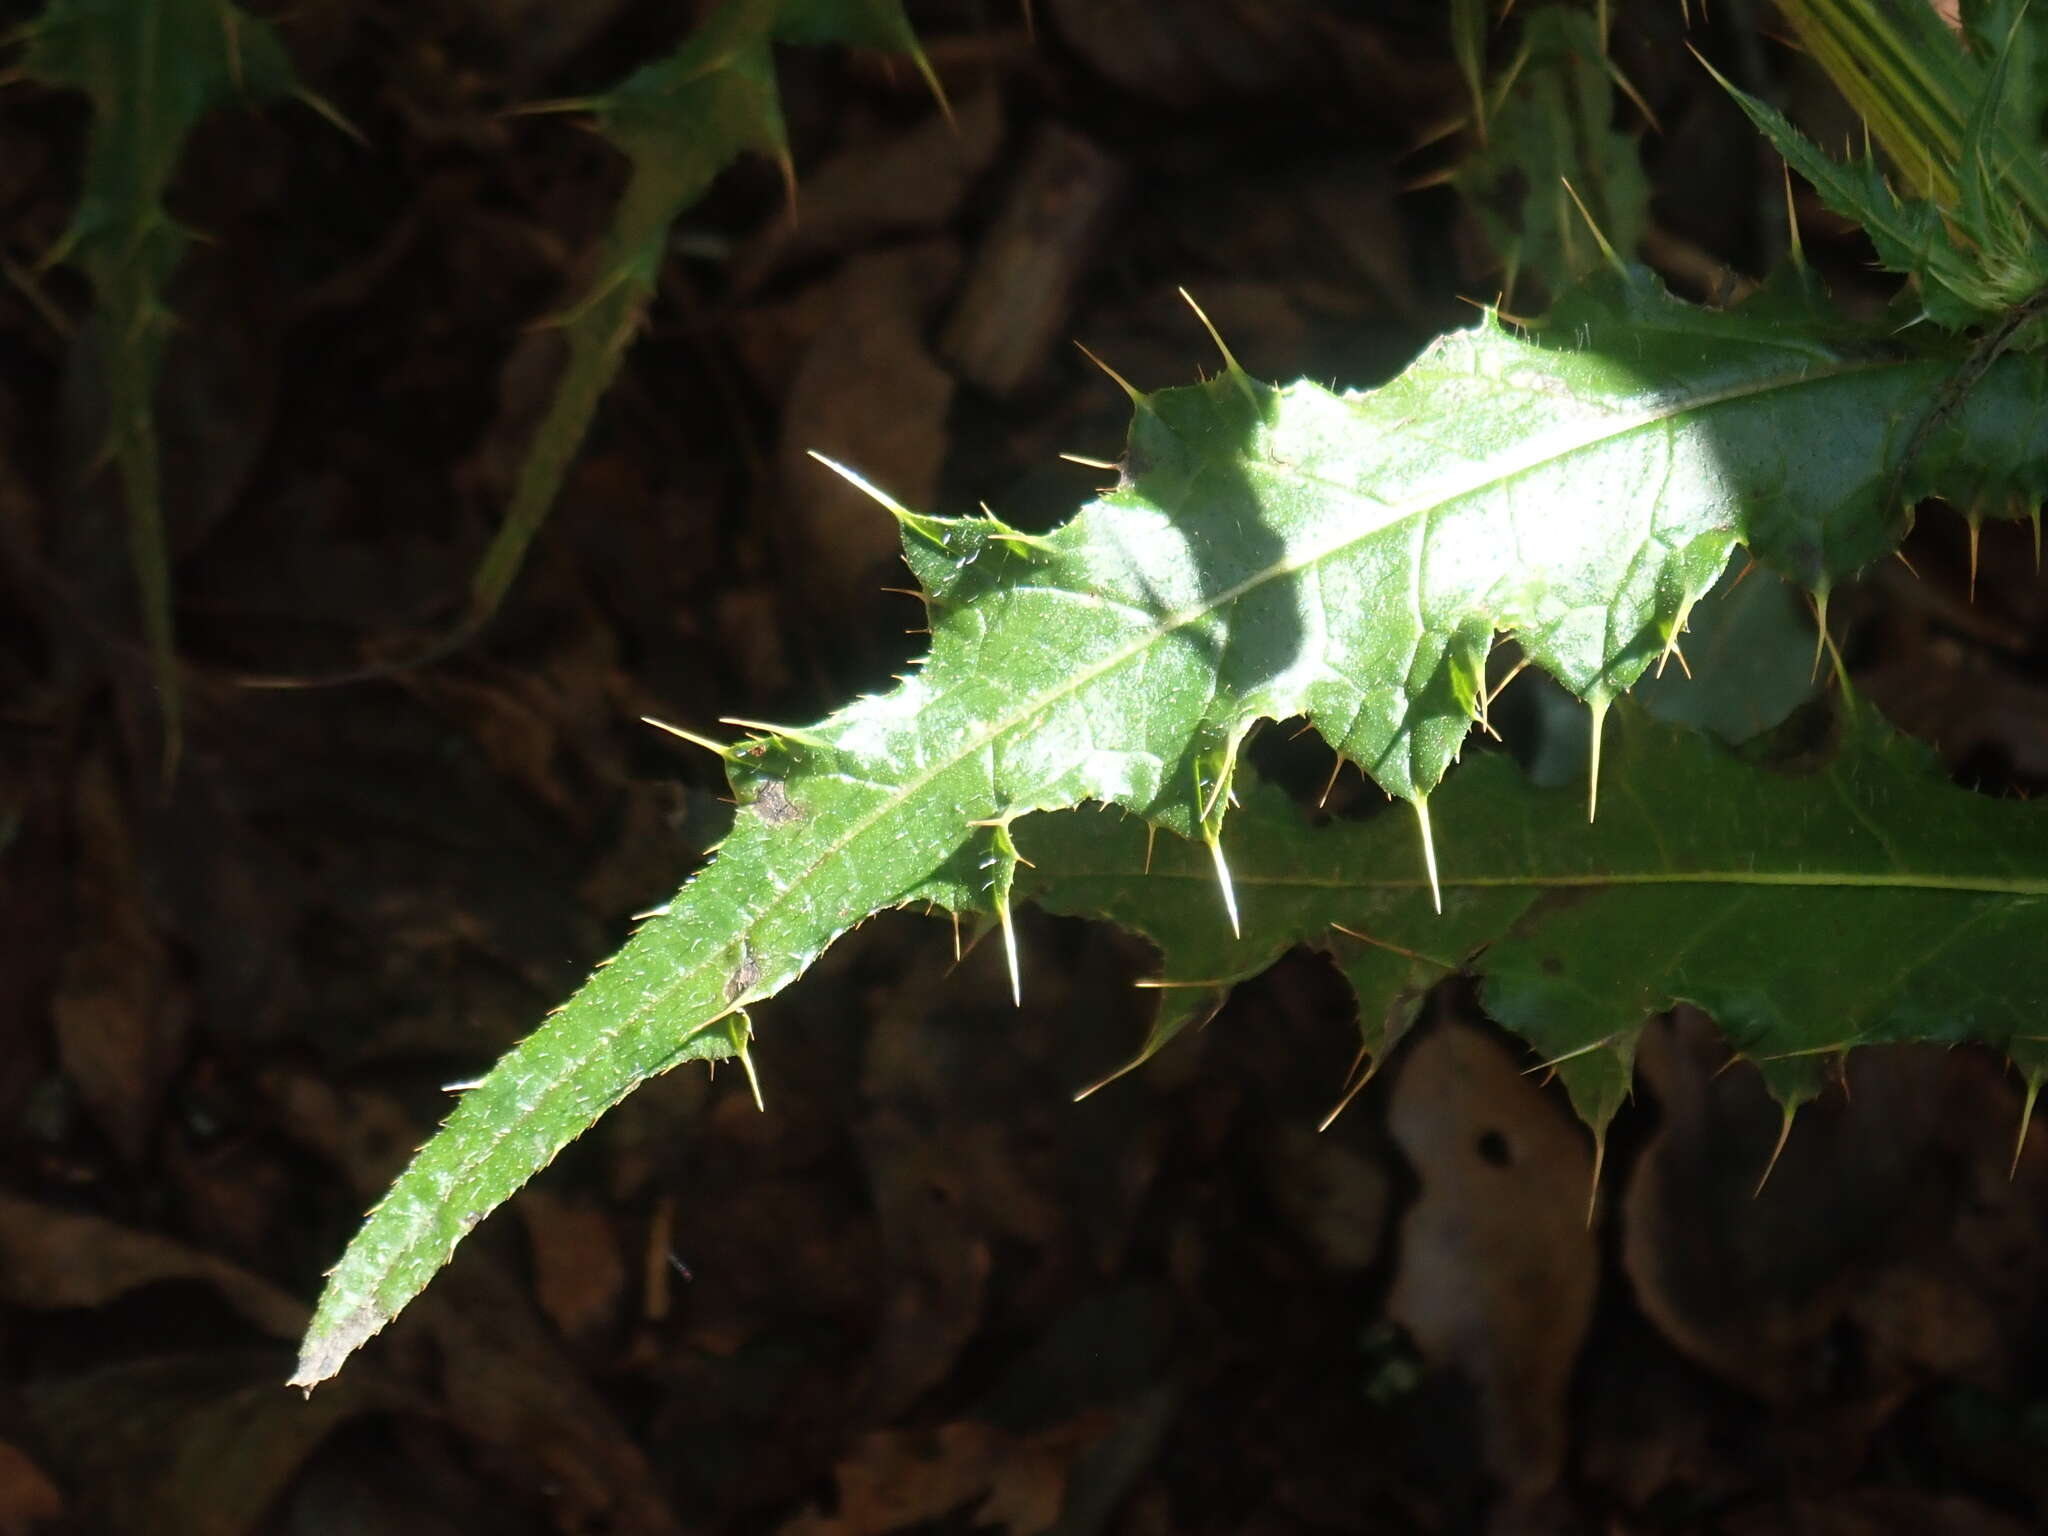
(774, 806)
(744, 975)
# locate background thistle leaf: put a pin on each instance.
(680, 121)
(1962, 129)
(151, 69)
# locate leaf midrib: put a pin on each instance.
(1618, 426)
(1978, 885)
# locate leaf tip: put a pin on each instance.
(326, 1348)
(917, 522)
(1777, 1150)
(2019, 1145)
(1598, 705)
(802, 738)
(1599, 236)
(1824, 643)
(1224, 884)
(1365, 1070)
(741, 1033)
(930, 75)
(1137, 400)
(1593, 1183)
(1436, 894)
(1003, 861)
(1671, 647)
(1010, 950)
(1101, 1083)
(1798, 246)
(1975, 520)
(322, 107)
(1323, 800)
(1237, 374)
(1003, 533)
(717, 748)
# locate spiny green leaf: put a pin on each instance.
(1975, 234)
(1269, 552)
(1468, 46)
(1854, 900)
(152, 69)
(2020, 29)
(679, 121)
(1901, 70)
(1551, 124)
(1910, 235)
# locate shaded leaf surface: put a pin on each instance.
(1859, 900)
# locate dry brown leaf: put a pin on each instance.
(867, 392)
(51, 1258)
(1890, 1211)
(187, 1444)
(579, 1275)
(1498, 1265)
(898, 1478)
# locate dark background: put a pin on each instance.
(923, 1291)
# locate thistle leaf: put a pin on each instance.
(1858, 899)
(679, 121)
(1468, 46)
(1268, 553)
(1910, 234)
(1553, 164)
(152, 69)
(1974, 231)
